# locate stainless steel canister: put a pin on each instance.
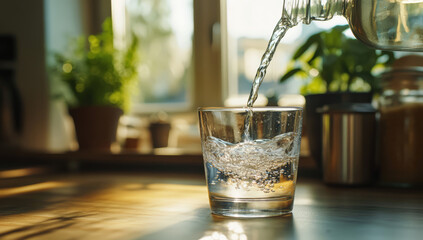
(349, 137)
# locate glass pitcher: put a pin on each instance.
(395, 25)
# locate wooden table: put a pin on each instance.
(175, 206)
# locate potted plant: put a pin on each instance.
(334, 68)
(96, 80)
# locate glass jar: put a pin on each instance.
(401, 127)
(382, 24)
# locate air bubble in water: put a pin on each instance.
(258, 163)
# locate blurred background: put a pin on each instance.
(190, 54)
(125, 78)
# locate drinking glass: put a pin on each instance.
(251, 159)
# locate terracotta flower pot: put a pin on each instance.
(96, 126)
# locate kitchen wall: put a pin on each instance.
(25, 20)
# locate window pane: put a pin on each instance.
(250, 24)
(164, 29)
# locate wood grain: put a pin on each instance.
(175, 206)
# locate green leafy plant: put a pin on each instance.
(329, 61)
(97, 73)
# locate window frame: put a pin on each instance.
(206, 87)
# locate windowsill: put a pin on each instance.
(162, 159)
(124, 156)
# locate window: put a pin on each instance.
(164, 29)
(248, 28)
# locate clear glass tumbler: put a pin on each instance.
(251, 159)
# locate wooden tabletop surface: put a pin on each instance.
(175, 206)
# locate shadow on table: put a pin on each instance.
(44, 227)
(205, 226)
(22, 197)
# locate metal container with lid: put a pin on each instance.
(401, 123)
(348, 143)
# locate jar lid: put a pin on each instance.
(411, 70)
(411, 65)
(403, 78)
(408, 61)
(347, 108)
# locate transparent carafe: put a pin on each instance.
(395, 25)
